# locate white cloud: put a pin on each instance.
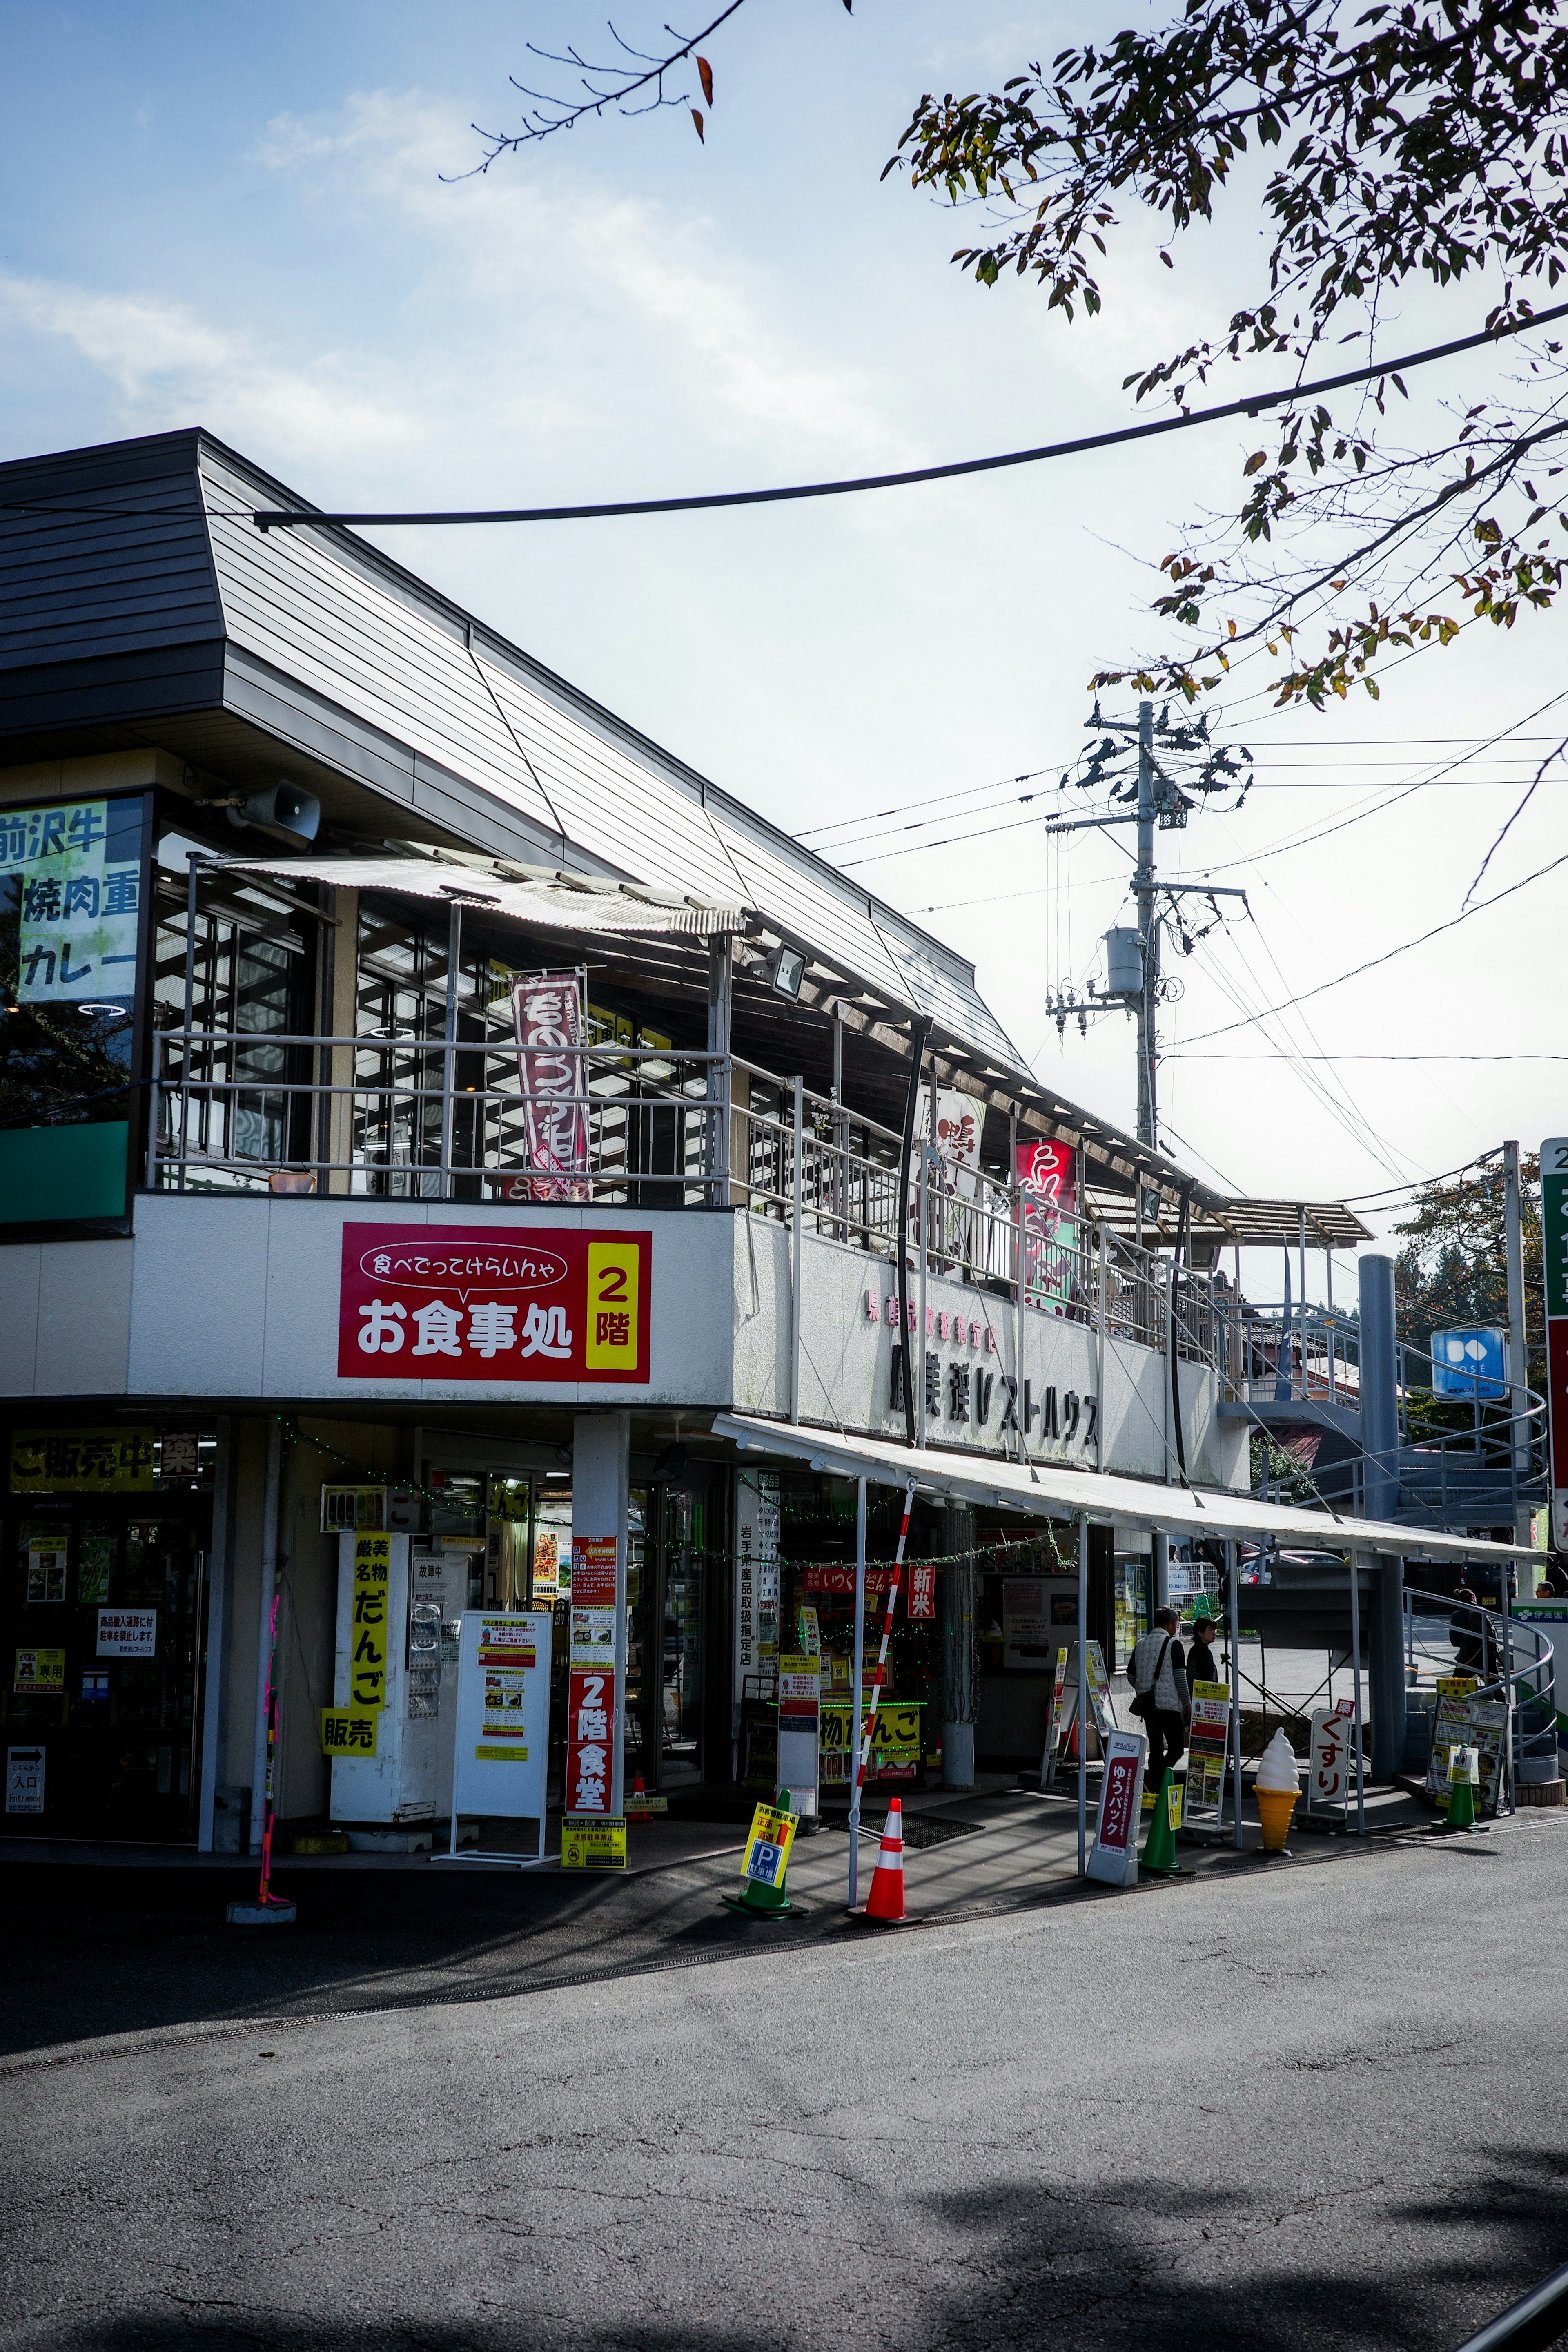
(170, 366)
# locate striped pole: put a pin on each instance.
(882, 1653)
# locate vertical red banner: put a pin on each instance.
(589, 1739)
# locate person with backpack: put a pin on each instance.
(1162, 1702)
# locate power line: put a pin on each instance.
(1180, 1054)
(1372, 964)
(268, 518)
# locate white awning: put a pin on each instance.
(1053, 1490)
(578, 904)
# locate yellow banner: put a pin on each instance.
(614, 1306)
(40, 1674)
(368, 1659)
(593, 1845)
(82, 1461)
(767, 1846)
(348, 1731)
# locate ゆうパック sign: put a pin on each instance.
(453, 1303)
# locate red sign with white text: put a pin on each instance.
(589, 1739)
(594, 1571)
(921, 1590)
(527, 1303)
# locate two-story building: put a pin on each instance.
(427, 1103)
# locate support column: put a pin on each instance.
(1386, 1677)
(601, 1463)
(264, 1656)
(960, 1656)
(1379, 1389)
(1159, 1572)
(214, 1686)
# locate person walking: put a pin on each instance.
(1157, 1672)
(1204, 1664)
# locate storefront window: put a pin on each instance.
(73, 885)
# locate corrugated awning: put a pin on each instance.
(1051, 1490)
(553, 900)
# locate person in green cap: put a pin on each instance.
(1204, 1664)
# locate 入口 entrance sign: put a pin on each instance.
(480, 1303)
(24, 1780)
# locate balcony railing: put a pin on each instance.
(408, 1119)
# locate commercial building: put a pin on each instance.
(430, 1108)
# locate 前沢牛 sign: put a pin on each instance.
(534, 1304)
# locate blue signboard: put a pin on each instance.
(1469, 1364)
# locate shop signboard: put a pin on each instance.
(501, 1748)
(368, 1654)
(179, 1454)
(592, 1713)
(24, 1780)
(1555, 1266)
(593, 1845)
(1048, 1180)
(546, 1566)
(544, 1303)
(594, 1571)
(1064, 1711)
(1208, 1743)
(40, 1674)
(1470, 1363)
(757, 1521)
(82, 1461)
(922, 1588)
(768, 1844)
(959, 1119)
(547, 1016)
(1450, 1729)
(80, 902)
(349, 1730)
(1329, 1755)
(1035, 1610)
(127, 1633)
(1115, 1857)
(800, 1700)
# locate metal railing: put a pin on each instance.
(1511, 1661)
(397, 1117)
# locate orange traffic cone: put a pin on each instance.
(886, 1901)
(638, 1800)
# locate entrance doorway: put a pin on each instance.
(103, 1637)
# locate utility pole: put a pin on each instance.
(1517, 1360)
(1148, 929)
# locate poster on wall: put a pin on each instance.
(548, 1018)
(756, 1524)
(81, 881)
(959, 1120)
(1048, 1180)
(451, 1303)
(592, 1712)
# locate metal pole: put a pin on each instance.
(1083, 1694)
(1355, 1558)
(919, 1355)
(795, 1278)
(1148, 932)
(1100, 1363)
(720, 998)
(1233, 1566)
(263, 1625)
(855, 1700)
(1301, 1261)
(1517, 1362)
(193, 861)
(449, 1058)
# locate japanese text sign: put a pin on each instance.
(348, 1731)
(591, 1703)
(593, 1845)
(40, 1674)
(502, 1750)
(594, 1571)
(768, 1844)
(127, 1632)
(921, 1590)
(80, 871)
(368, 1654)
(491, 1302)
(1115, 1854)
(547, 1012)
(82, 1461)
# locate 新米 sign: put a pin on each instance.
(539, 1304)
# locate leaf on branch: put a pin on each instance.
(697, 118)
(1258, 457)
(704, 75)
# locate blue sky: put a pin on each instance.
(235, 216)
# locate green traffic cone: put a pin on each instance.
(1461, 1800)
(1158, 1855)
(758, 1900)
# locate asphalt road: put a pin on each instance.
(1307, 2104)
